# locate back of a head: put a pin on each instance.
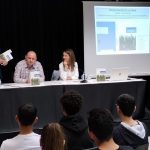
(27, 114)
(100, 122)
(52, 137)
(126, 104)
(71, 102)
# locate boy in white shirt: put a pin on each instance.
(26, 139)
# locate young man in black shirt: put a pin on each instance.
(130, 131)
(100, 124)
(75, 126)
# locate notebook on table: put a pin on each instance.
(119, 74)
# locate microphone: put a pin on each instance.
(83, 79)
(83, 76)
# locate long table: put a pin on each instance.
(46, 97)
(145, 76)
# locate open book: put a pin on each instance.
(6, 55)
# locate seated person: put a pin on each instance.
(129, 132)
(100, 124)
(75, 127)
(26, 139)
(52, 137)
(68, 67)
(24, 67)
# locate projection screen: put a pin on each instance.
(117, 34)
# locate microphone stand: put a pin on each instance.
(83, 79)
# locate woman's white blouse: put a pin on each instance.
(64, 74)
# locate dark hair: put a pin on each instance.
(100, 122)
(126, 104)
(27, 114)
(52, 137)
(71, 102)
(72, 58)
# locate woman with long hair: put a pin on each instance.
(68, 67)
(52, 137)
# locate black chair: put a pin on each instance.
(55, 75)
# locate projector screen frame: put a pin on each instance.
(137, 63)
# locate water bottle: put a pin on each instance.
(83, 76)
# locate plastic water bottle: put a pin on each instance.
(83, 76)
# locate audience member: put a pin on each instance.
(26, 139)
(100, 124)
(52, 137)
(68, 67)
(24, 67)
(75, 127)
(130, 132)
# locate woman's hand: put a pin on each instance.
(65, 65)
(69, 78)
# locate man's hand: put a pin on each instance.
(3, 62)
(28, 81)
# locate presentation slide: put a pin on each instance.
(124, 28)
(116, 34)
